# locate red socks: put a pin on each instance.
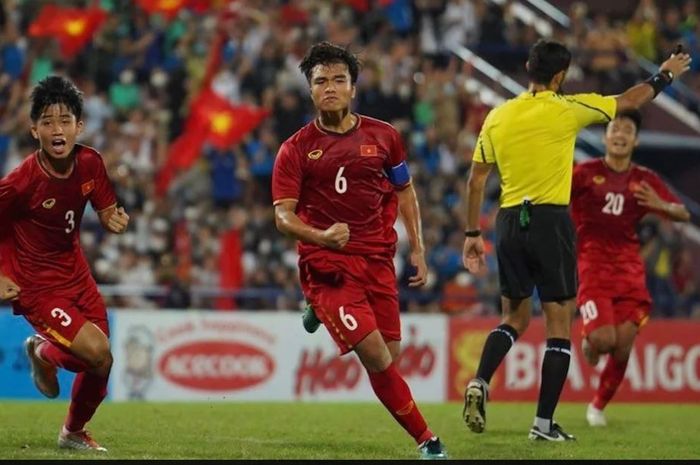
(610, 380)
(394, 393)
(88, 393)
(60, 358)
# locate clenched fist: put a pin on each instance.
(118, 221)
(336, 236)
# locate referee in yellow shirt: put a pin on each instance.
(531, 140)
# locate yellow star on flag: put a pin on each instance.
(221, 122)
(170, 4)
(75, 27)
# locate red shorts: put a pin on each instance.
(352, 295)
(59, 315)
(600, 309)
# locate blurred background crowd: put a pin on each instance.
(210, 240)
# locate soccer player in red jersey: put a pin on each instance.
(336, 185)
(609, 197)
(43, 270)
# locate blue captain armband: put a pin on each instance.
(399, 175)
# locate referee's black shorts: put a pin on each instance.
(543, 255)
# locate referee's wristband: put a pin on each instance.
(473, 233)
(660, 81)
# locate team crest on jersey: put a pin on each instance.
(48, 203)
(598, 179)
(87, 187)
(315, 154)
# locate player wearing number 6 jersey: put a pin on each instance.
(609, 197)
(336, 186)
(43, 270)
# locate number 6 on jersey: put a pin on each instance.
(341, 183)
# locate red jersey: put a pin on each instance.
(605, 213)
(341, 178)
(41, 216)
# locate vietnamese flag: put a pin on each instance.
(168, 8)
(212, 119)
(72, 27)
(225, 124)
(182, 153)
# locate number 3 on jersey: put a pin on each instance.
(614, 203)
(61, 315)
(70, 218)
(341, 183)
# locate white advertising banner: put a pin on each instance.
(215, 356)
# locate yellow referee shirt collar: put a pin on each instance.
(539, 93)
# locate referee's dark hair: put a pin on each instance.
(634, 115)
(546, 59)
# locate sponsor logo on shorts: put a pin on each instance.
(212, 365)
(48, 203)
(315, 154)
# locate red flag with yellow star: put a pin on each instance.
(182, 153)
(225, 124)
(72, 27)
(212, 119)
(168, 8)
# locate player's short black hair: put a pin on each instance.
(56, 90)
(547, 58)
(634, 115)
(326, 53)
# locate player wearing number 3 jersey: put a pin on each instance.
(337, 186)
(42, 268)
(609, 197)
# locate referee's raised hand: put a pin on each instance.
(473, 255)
(677, 64)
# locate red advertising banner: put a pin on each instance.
(664, 365)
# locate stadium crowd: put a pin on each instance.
(214, 226)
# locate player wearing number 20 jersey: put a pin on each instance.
(609, 197)
(606, 213)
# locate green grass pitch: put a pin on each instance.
(343, 431)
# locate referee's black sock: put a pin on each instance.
(497, 345)
(555, 367)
